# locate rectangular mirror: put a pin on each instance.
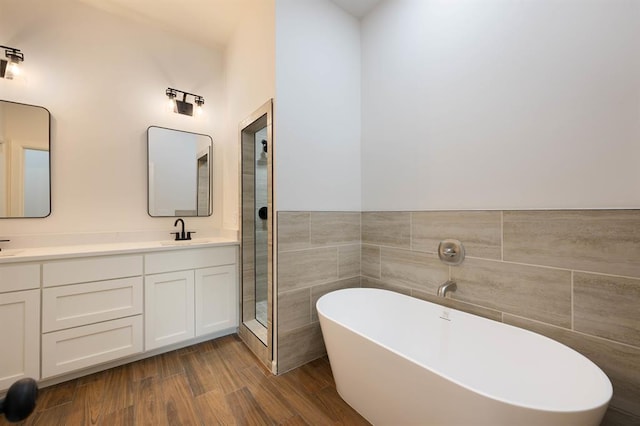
(25, 163)
(180, 170)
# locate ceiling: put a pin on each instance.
(357, 8)
(210, 22)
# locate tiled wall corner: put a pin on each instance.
(320, 290)
(299, 346)
(318, 252)
(349, 261)
(370, 261)
(572, 275)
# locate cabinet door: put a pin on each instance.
(168, 308)
(216, 299)
(20, 336)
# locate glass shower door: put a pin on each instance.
(261, 224)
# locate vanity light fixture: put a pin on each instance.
(10, 67)
(182, 106)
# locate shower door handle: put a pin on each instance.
(262, 213)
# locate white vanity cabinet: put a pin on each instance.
(19, 323)
(91, 312)
(68, 310)
(189, 293)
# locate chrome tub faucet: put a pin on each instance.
(446, 287)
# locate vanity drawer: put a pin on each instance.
(69, 350)
(19, 277)
(189, 259)
(82, 304)
(92, 269)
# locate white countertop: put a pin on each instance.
(61, 252)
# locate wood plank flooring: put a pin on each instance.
(218, 382)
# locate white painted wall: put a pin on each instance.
(501, 104)
(317, 110)
(103, 79)
(250, 81)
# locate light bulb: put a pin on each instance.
(13, 70)
(199, 101)
(171, 103)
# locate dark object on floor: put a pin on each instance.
(20, 400)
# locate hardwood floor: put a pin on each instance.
(214, 383)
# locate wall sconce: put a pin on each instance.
(182, 106)
(10, 67)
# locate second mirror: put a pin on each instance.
(180, 170)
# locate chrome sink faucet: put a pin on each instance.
(182, 236)
(446, 287)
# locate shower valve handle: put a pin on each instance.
(449, 252)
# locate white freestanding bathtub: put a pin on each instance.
(398, 360)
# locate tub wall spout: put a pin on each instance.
(446, 287)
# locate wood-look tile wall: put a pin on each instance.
(248, 229)
(571, 275)
(318, 252)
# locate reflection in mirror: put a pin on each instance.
(260, 221)
(25, 164)
(180, 165)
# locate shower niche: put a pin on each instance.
(257, 232)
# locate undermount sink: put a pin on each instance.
(183, 242)
(9, 252)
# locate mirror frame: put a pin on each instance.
(50, 162)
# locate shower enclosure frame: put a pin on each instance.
(260, 342)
